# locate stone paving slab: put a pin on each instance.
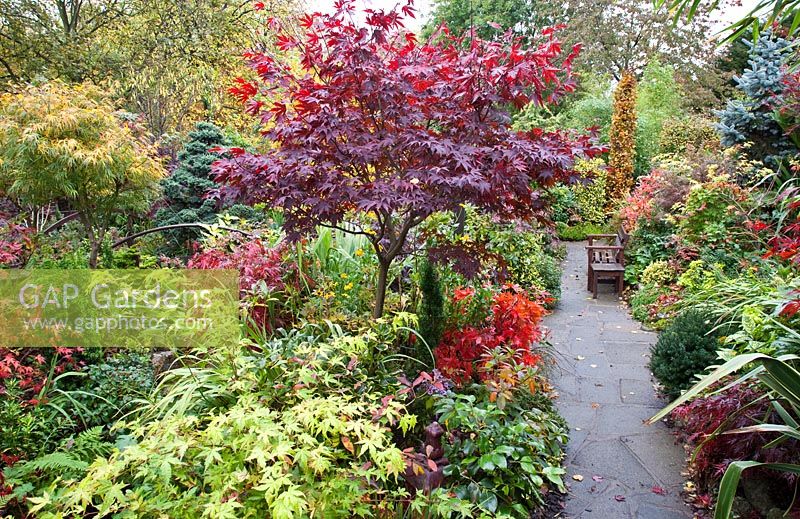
(606, 393)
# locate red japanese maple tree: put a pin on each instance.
(374, 131)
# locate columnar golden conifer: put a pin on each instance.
(622, 141)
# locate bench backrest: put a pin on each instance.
(606, 256)
(622, 237)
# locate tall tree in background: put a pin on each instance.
(491, 17)
(621, 138)
(55, 38)
(375, 132)
(168, 60)
(620, 36)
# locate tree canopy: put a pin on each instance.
(419, 128)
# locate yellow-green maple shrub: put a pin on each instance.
(591, 195)
(63, 142)
(622, 141)
(299, 429)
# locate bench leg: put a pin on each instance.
(595, 282)
(620, 283)
(589, 277)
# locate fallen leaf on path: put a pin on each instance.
(592, 365)
(595, 405)
(597, 478)
(348, 444)
(619, 498)
(580, 357)
(577, 477)
(658, 490)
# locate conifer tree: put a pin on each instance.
(186, 187)
(622, 140)
(751, 119)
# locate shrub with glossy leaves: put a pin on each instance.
(511, 457)
(684, 349)
(590, 194)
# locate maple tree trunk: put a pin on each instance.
(380, 287)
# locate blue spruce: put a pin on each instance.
(185, 188)
(750, 119)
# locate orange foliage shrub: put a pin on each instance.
(621, 138)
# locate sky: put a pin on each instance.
(723, 16)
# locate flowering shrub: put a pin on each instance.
(658, 273)
(513, 322)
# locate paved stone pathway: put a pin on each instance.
(629, 470)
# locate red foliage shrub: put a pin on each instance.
(726, 411)
(254, 261)
(256, 264)
(641, 202)
(30, 367)
(785, 243)
(15, 245)
(513, 322)
(374, 122)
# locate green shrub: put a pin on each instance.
(504, 459)
(658, 273)
(641, 301)
(550, 275)
(591, 197)
(563, 204)
(29, 430)
(649, 243)
(578, 232)
(686, 348)
(680, 133)
(431, 311)
(115, 386)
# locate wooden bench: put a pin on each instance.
(607, 260)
